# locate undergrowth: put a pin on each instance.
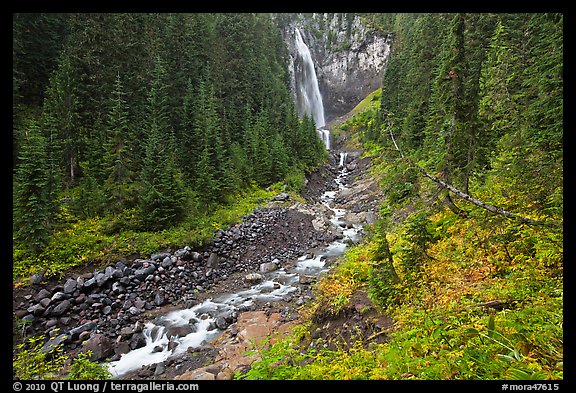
(475, 297)
(91, 241)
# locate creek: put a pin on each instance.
(174, 333)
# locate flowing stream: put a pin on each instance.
(172, 334)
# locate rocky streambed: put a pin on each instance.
(192, 313)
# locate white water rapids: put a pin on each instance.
(199, 321)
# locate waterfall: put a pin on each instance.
(343, 157)
(308, 95)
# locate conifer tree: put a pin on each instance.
(119, 185)
(498, 106)
(31, 192)
(61, 116)
(212, 169)
(162, 189)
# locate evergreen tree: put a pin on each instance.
(162, 189)
(61, 118)
(31, 193)
(498, 107)
(212, 180)
(449, 121)
(120, 182)
(259, 150)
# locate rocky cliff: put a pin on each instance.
(349, 56)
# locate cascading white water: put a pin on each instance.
(343, 157)
(308, 95)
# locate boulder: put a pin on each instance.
(70, 286)
(281, 197)
(75, 333)
(42, 294)
(61, 308)
(144, 272)
(159, 299)
(213, 260)
(253, 278)
(268, 267)
(53, 343)
(180, 331)
(99, 346)
(36, 279)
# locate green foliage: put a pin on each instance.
(82, 368)
(417, 236)
(295, 181)
(31, 192)
(102, 240)
(31, 361)
(36, 359)
(473, 109)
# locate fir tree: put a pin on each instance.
(120, 180)
(31, 192)
(162, 189)
(61, 116)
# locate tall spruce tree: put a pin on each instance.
(31, 192)
(61, 116)
(162, 189)
(120, 183)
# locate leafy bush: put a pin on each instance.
(32, 362)
(84, 369)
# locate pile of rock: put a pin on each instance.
(105, 309)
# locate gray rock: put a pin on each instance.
(45, 302)
(253, 278)
(74, 333)
(160, 369)
(102, 278)
(36, 279)
(160, 256)
(42, 294)
(99, 346)
(36, 310)
(213, 261)
(268, 267)
(121, 348)
(144, 272)
(134, 311)
(166, 262)
(61, 308)
(70, 286)
(221, 322)
(179, 331)
(90, 283)
(138, 341)
(159, 299)
(117, 288)
(183, 253)
(58, 296)
(281, 197)
(53, 343)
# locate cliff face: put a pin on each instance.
(349, 57)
